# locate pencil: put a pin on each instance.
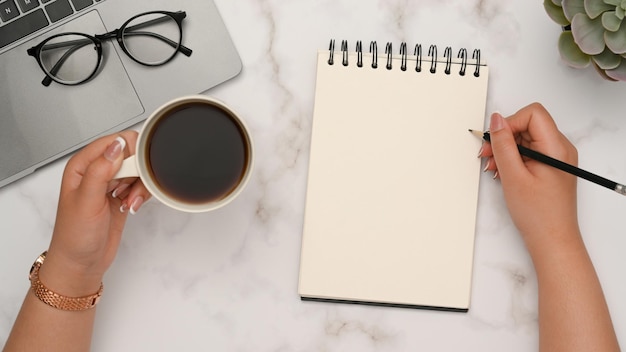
(599, 180)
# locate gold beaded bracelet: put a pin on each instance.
(56, 300)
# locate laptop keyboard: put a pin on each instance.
(19, 18)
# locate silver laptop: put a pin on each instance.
(40, 123)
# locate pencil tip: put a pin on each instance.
(476, 133)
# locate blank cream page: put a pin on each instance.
(393, 183)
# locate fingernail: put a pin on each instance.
(123, 208)
(486, 166)
(114, 150)
(137, 202)
(497, 122)
(113, 185)
(480, 152)
(495, 175)
(119, 190)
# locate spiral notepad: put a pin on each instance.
(393, 176)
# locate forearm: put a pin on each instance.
(573, 315)
(39, 327)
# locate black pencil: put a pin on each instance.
(599, 180)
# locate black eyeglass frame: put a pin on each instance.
(118, 34)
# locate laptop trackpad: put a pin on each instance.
(38, 123)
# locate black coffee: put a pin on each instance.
(197, 154)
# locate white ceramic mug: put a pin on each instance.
(193, 154)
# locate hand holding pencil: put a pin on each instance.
(573, 315)
(532, 189)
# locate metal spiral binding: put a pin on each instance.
(374, 52)
(463, 56)
(432, 52)
(389, 52)
(403, 56)
(418, 56)
(344, 50)
(417, 52)
(448, 55)
(359, 54)
(476, 56)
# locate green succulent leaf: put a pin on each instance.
(570, 52)
(610, 22)
(620, 12)
(619, 73)
(555, 12)
(557, 2)
(573, 7)
(595, 8)
(607, 60)
(589, 34)
(616, 41)
(613, 2)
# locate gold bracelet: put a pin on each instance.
(56, 300)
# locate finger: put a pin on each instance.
(534, 124)
(536, 129)
(490, 165)
(77, 165)
(137, 196)
(506, 155)
(121, 191)
(100, 171)
(485, 150)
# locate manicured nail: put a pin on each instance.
(486, 166)
(114, 150)
(480, 152)
(495, 175)
(119, 190)
(497, 122)
(114, 184)
(137, 202)
(123, 208)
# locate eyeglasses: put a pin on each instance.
(150, 39)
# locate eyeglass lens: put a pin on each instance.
(152, 39)
(69, 58)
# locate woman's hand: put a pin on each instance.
(91, 216)
(573, 315)
(541, 199)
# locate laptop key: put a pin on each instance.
(58, 10)
(81, 4)
(27, 5)
(8, 10)
(22, 27)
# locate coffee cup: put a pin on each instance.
(193, 154)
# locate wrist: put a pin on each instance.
(554, 243)
(67, 279)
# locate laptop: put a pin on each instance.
(40, 124)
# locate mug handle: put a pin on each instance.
(128, 169)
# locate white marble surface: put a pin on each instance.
(227, 280)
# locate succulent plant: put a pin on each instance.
(594, 32)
